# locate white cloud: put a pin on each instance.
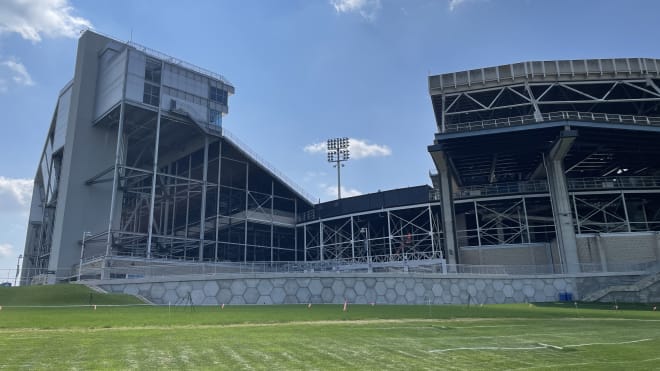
(13, 70)
(15, 194)
(6, 250)
(454, 3)
(33, 18)
(366, 8)
(359, 148)
(345, 192)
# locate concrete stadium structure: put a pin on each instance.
(548, 181)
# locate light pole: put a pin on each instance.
(82, 251)
(338, 152)
(18, 267)
(365, 231)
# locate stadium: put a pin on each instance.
(547, 187)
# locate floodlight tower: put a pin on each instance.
(338, 152)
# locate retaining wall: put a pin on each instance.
(356, 288)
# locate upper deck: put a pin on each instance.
(622, 86)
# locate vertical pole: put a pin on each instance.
(305, 242)
(321, 241)
(202, 216)
(185, 243)
(247, 195)
(115, 179)
(217, 201)
(431, 233)
(153, 186)
(389, 234)
(352, 239)
(295, 230)
(529, 235)
(625, 211)
(577, 216)
(338, 176)
(272, 205)
(476, 219)
(174, 198)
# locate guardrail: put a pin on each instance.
(136, 269)
(541, 186)
(552, 116)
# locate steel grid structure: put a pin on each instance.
(136, 154)
(576, 138)
(541, 166)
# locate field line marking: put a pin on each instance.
(487, 348)
(614, 343)
(540, 346)
(551, 346)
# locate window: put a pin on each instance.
(152, 70)
(217, 95)
(215, 117)
(151, 94)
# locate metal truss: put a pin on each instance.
(386, 235)
(536, 98)
(605, 213)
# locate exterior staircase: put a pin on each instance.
(635, 289)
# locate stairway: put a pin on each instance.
(635, 287)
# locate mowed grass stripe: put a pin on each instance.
(320, 346)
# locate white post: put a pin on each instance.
(82, 251)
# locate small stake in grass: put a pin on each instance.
(345, 305)
(94, 306)
(654, 308)
(309, 306)
(222, 306)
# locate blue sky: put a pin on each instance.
(304, 71)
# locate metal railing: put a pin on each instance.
(552, 116)
(541, 186)
(624, 182)
(178, 62)
(136, 269)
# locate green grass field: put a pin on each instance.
(549, 336)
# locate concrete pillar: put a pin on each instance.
(554, 165)
(447, 206)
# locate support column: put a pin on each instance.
(321, 241)
(247, 195)
(352, 239)
(561, 205)
(389, 233)
(272, 217)
(431, 232)
(202, 216)
(447, 206)
(153, 187)
(217, 200)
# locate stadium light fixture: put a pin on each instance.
(338, 152)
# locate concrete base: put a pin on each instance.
(358, 288)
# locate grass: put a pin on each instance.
(520, 336)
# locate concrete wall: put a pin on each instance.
(526, 254)
(356, 288)
(86, 150)
(615, 249)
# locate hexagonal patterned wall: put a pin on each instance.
(332, 288)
